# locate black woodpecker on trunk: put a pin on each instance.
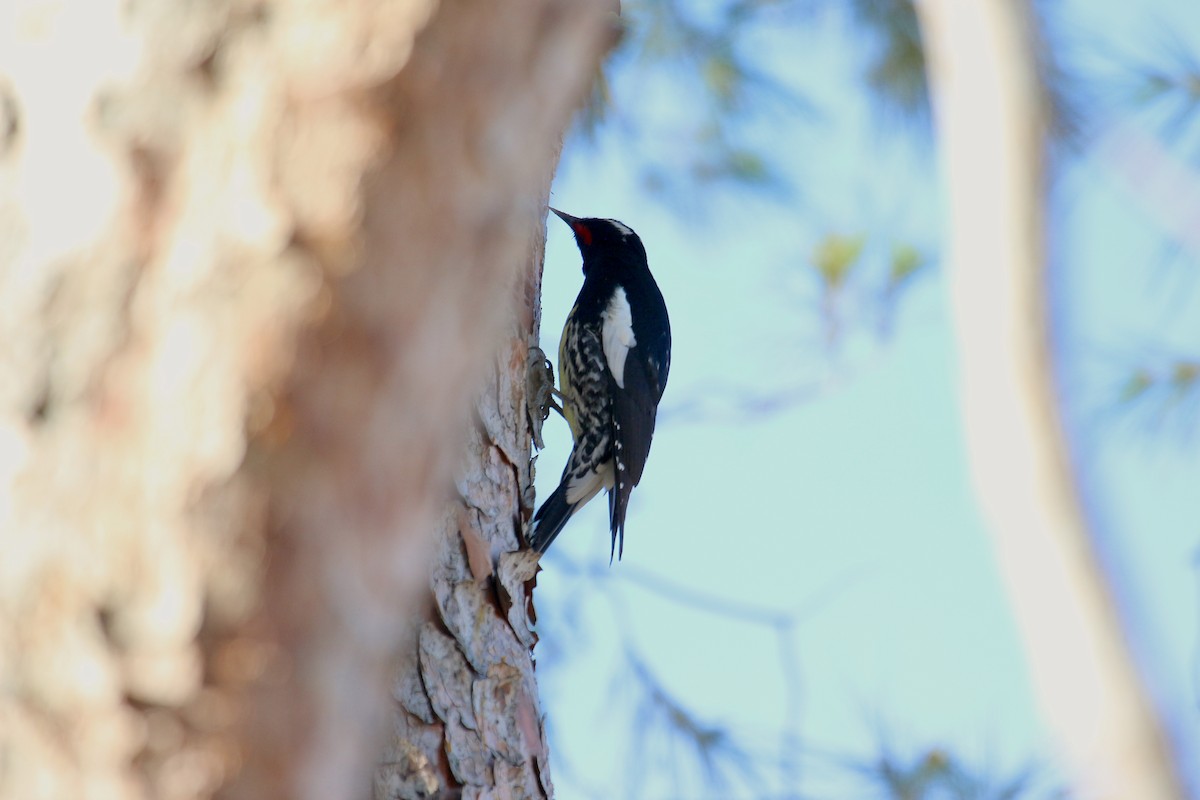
(612, 365)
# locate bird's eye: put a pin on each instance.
(582, 231)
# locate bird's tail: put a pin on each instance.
(550, 519)
(618, 504)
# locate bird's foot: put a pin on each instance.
(539, 393)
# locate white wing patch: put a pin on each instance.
(617, 334)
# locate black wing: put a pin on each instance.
(634, 410)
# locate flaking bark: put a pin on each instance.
(256, 256)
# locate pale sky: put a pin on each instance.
(853, 505)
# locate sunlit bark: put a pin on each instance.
(257, 256)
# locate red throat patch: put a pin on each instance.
(583, 233)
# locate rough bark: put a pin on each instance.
(988, 108)
(256, 255)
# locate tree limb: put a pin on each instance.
(989, 112)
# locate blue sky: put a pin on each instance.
(851, 506)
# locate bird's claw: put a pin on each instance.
(539, 393)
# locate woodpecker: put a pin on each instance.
(612, 365)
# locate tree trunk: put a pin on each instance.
(989, 112)
(256, 257)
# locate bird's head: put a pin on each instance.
(604, 240)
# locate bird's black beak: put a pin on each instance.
(583, 235)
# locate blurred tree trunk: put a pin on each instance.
(257, 257)
(989, 109)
